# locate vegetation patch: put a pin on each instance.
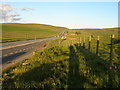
(18, 32)
(66, 64)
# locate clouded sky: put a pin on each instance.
(70, 14)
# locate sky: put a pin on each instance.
(70, 14)
(61, 0)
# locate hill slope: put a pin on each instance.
(17, 31)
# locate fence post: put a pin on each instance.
(97, 46)
(89, 42)
(80, 41)
(84, 42)
(111, 48)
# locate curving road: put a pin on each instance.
(16, 52)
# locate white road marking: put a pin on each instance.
(20, 50)
(5, 55)
(2, 48)
(16, 51)
(11, 53)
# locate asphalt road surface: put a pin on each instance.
(18, 52)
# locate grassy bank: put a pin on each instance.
(17, 32)
(66, 64)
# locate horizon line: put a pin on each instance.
(62, 26)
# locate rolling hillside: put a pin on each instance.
(17, 31)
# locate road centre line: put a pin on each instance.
(10, 53)
(5, 55)
(2, 48)
(16, 51)
(20, 50)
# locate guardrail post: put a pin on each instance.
(97, 46)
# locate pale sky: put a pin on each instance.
(70, 14)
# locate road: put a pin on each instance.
(17, 52)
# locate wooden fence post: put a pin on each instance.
(89, 43)
(97, 46)
(84, 42)
(111, 48)
(80, 41)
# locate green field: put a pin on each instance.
(66, 64)
(17, 31)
